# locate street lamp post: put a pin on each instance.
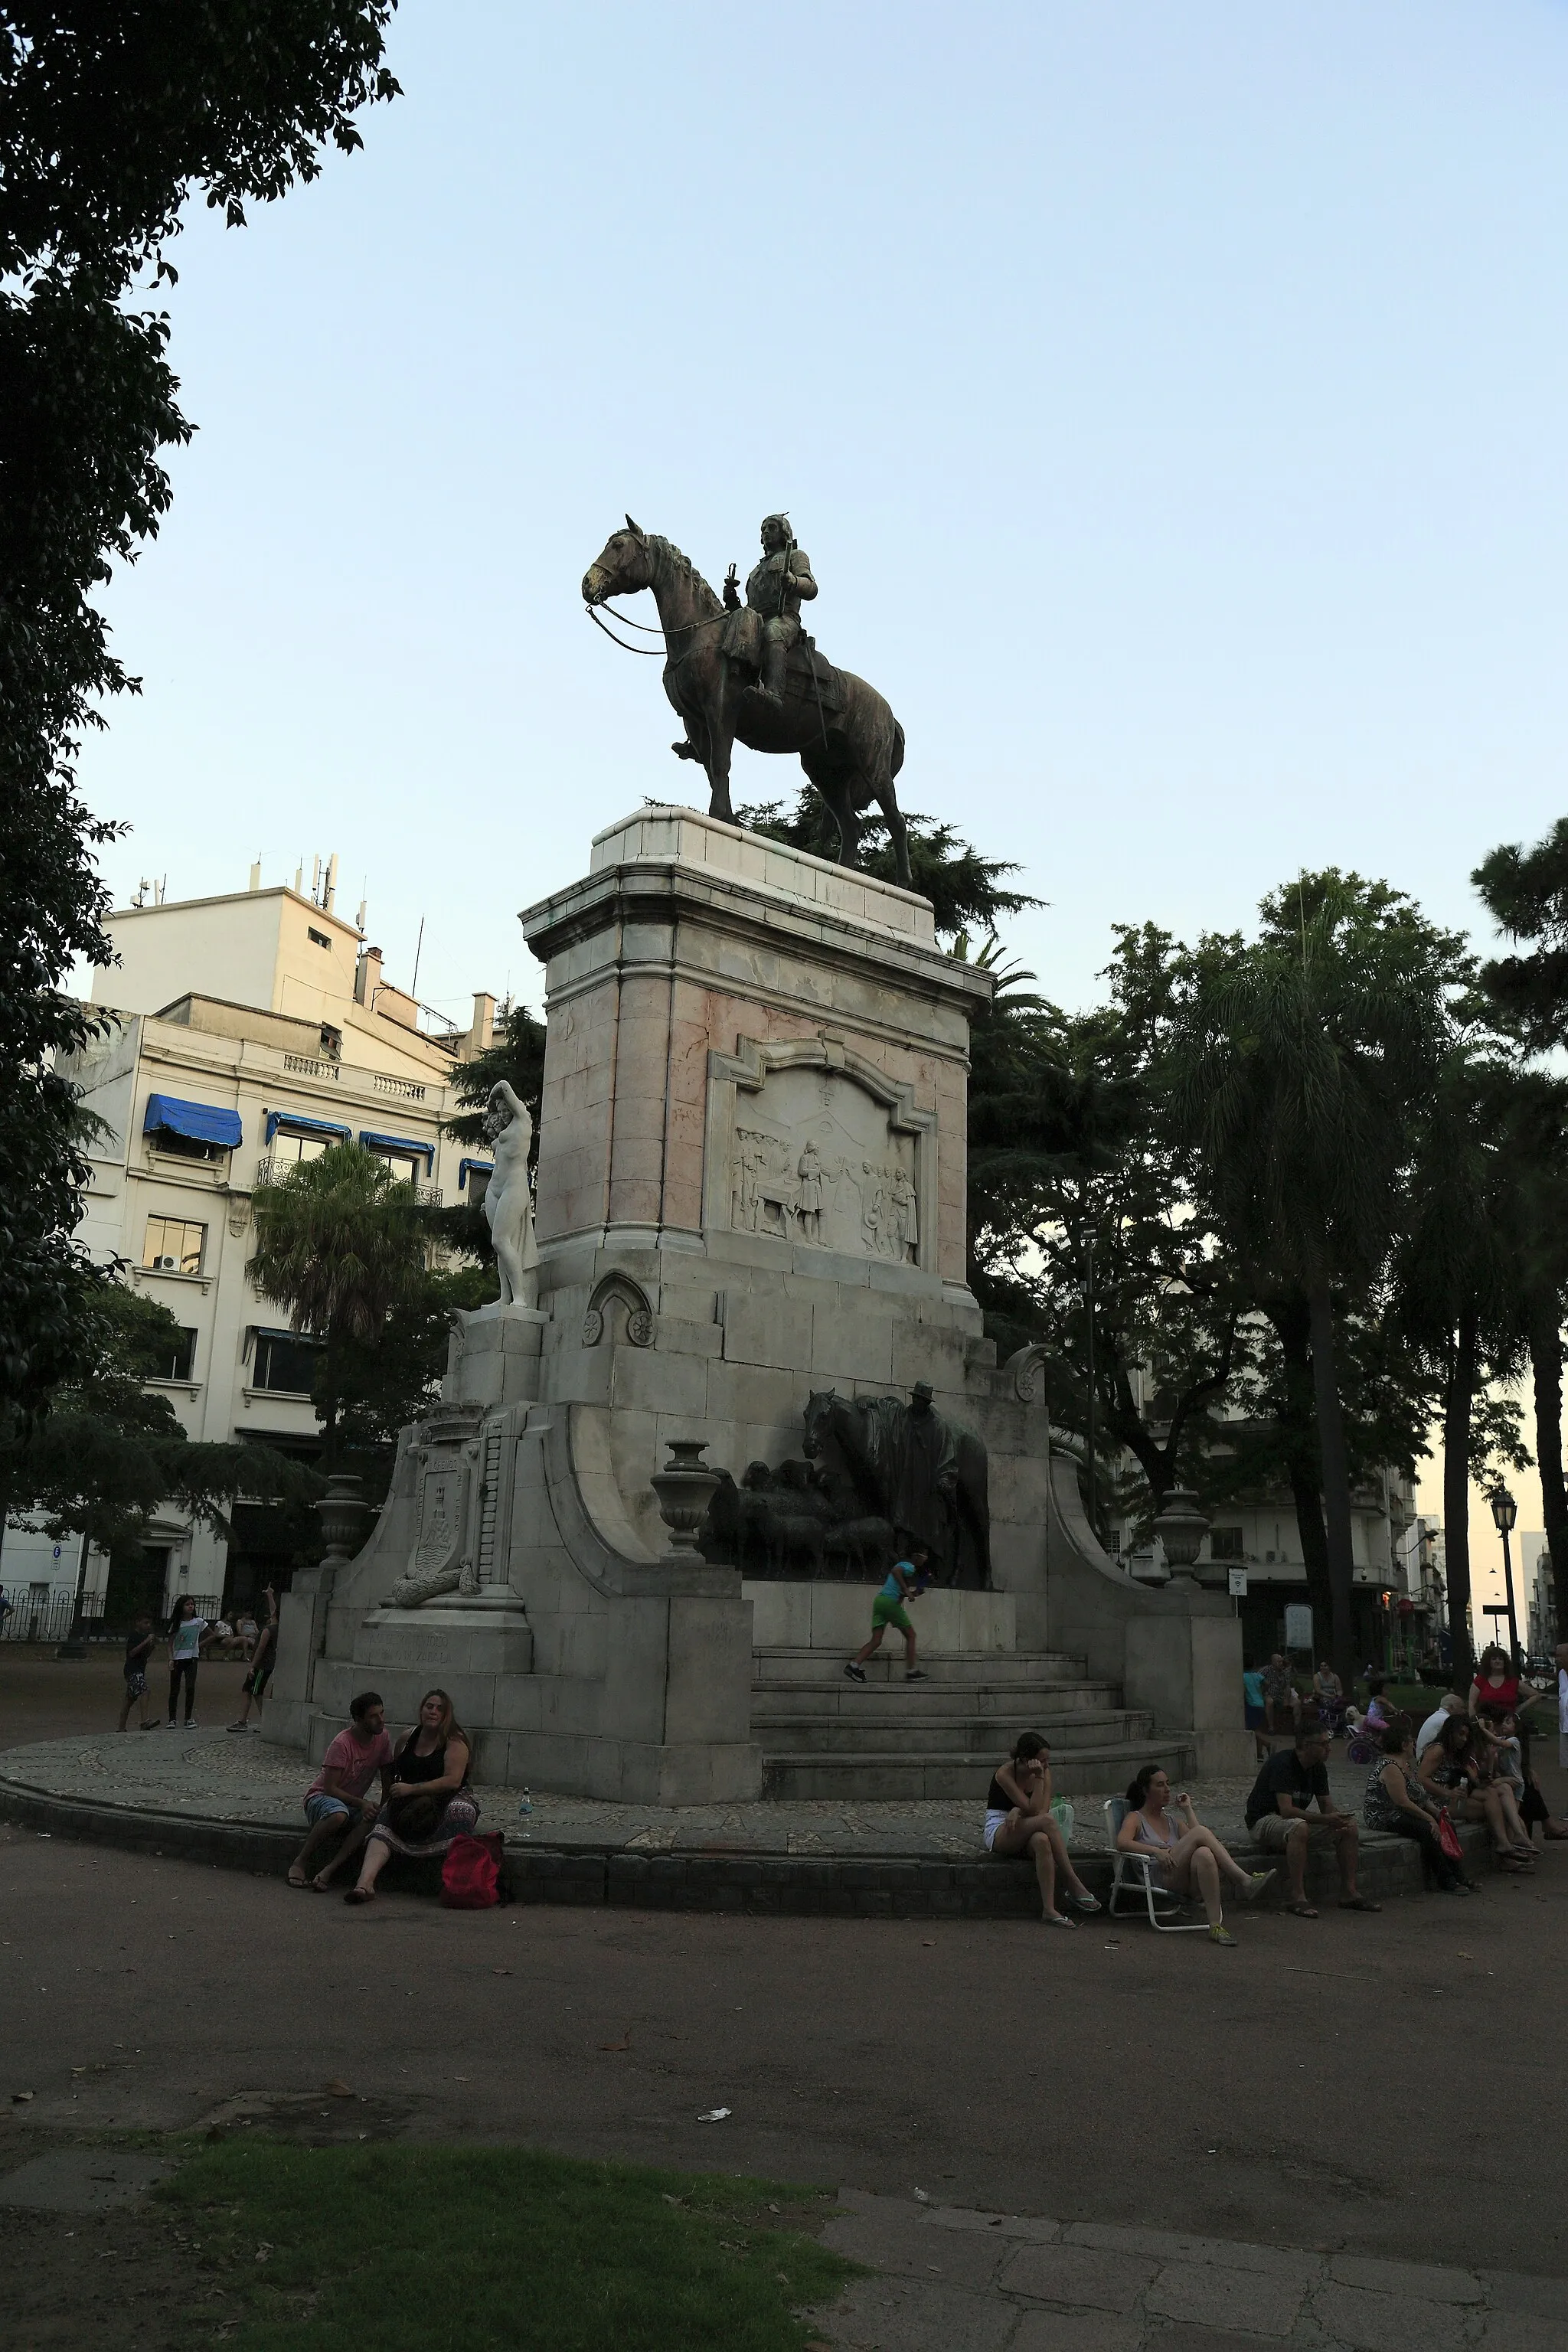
(1505, 1511)
(1088, 1350)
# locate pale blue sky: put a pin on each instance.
(1172, 401)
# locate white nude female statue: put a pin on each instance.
(509, 1204)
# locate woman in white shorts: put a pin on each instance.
(1020, 1820)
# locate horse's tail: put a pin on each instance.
(897, 748)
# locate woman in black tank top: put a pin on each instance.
(1020, 1820)
(429, 1804)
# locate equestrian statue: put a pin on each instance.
(749, 670)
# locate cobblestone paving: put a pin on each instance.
(227, 1776)
(950, 2280)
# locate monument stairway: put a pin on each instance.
(824, 1736)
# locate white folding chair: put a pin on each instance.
(1135, 1875)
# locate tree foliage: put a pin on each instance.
(111, 116)
(110, 1452)
(968, 892)
(340, 1243)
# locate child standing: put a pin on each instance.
(139, 1644)
(906, 1581)
(188, 1636)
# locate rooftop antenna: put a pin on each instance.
(300, 879)
(139, 898)
(255, 883)
(414, 983)
(316, 880)
(330, 887)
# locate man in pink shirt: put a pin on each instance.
(337, 1799)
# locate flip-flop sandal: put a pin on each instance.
(360, 1894)
(298, 1878)
(1302, 1910)
(1358, 1903)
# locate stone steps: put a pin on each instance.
(789, 1665)
(1016, 1704)
(913, 1773)
(951, 1733)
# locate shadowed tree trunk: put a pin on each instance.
(1546, 1363)
(1336, 1481)
(1291, 1321)
(1458, 1403)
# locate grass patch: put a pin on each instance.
(450, 2249)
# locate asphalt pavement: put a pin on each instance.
(1334, 2083)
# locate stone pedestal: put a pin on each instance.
(750, 1189)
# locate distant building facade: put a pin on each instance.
(252, 1031)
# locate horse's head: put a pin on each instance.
(817, 1415)
(623, 564)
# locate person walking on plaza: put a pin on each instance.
(1253, 1714)
(1188, 1854)
(140, 1643)
(188, 1637)
(1280, 1816)
(1396, 1804)
(263, 1658)
(1019, 1820)
(905, 1582)
(338, 1800)
(1280, 1696)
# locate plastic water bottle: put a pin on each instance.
(526, 1807)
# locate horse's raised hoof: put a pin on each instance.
(683, 751)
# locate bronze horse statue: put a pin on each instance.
(847, 739)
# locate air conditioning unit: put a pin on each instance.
(166, 1265)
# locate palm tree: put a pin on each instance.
(339, 1240)
(1298, 1066)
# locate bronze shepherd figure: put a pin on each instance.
(750, 671)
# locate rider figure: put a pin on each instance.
(776, 589)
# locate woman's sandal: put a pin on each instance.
(297, 1876)
(1358, 1903)
(1059, 1919)
(1302, 1910)
(360, 1894)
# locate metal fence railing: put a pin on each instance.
(47, 1618)
(51, 1616)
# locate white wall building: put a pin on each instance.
(250, 1031)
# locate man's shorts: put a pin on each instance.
(1256, 1719)
(320, 1807)
(1272, 1831)
(256, 1682)
(135, 1683)
(885, 1610)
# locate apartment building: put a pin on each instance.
(249, 1032)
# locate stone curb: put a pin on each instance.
(821, 1886)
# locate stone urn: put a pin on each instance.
(343, 1512)
(1181, 1527)
(684, 1487)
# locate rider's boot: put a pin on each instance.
(775, 657)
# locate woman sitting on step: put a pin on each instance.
(1188, 1856)
(1019, 1820)
(429, 1802)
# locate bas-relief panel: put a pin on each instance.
(814, 1159)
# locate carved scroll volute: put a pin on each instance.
(633, 1299)
(1027, 1370)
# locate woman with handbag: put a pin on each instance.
(1397, 1803)
(1454, 1774)
(428, 1803)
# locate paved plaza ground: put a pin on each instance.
(1295, 2094)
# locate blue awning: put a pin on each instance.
(425, 1152)
(202, 1122)
(467, 1168)
(296, 1125)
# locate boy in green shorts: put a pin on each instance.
(906, 1581)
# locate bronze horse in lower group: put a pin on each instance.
(847, 739)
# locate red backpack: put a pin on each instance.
(470, 1875)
